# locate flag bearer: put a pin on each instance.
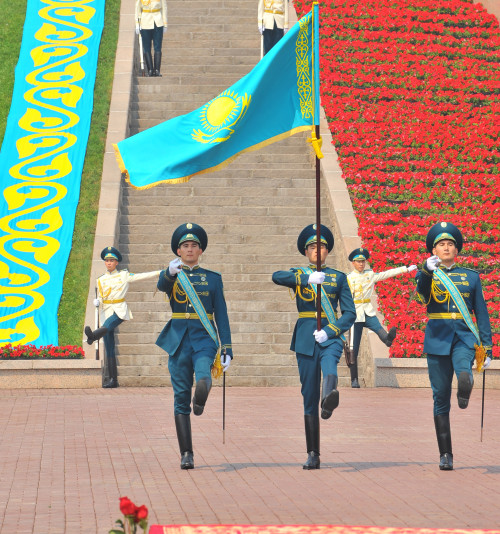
(318, 352)
(452, 294)
(273, 21)
(197, 301)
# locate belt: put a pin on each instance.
(363, 301)
(274, 11)
(151, 10)
(445, 316)
(190, 316)
(311, 315)
(113, 301)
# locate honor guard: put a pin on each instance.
(272, 21)
(318, 352)
(151, 23)
(362, 283)
(112, 288)
(190, 338)
(452, 294)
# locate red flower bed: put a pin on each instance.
(30, 352)
(411, 92)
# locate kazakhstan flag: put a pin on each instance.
(277, 99)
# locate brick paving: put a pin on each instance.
(68, 455)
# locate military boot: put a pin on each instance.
(149, 63)
(465, 383)
(112, 372)
(443, 434)
(312, 442)
(183, 428)
(201, 394)
(385, 337)
(354, 374)
(96, 334)
(330, 397)
(157, 64)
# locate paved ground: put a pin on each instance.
(68, 455)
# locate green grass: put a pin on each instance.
(76, 281)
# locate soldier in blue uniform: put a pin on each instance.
(197, 301)
(318, 351)
(452, 294)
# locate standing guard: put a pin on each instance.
(452, 294)
(151, 23)
(190, 338)
(362, 283)
(318, 351)
(273, 21)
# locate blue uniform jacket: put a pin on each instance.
(439, 333)
(208, 286)
(338, 291)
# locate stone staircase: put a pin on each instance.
(252, 211)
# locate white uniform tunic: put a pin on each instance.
(147, 12)
(270, 11)
(362, 286)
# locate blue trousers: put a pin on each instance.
(181, 365)
(324, 360)
(372, 323)
(155, 36)
(441, 369)
(271, 37)
(112, 322)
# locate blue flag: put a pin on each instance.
(276, 99)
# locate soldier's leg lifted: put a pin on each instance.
(330, 396)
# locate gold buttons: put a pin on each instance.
(187, 315)
(453, 315)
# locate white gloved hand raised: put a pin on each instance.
(320, 336)
(412, 268)
(97, 302)
(487, 362)
(432, 263)
(174, 267)
(261, 28)
(317, 277)
(225, 361)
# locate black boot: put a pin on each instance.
(112, 372)
(183, 428)
(330, 397)
(149, 63)
(443, 434)
(354, 374)
(95, 335)
(312, 441)
(387, 338)
(156, 71)
(465, 383)
(201, 394)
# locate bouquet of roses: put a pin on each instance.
(134, 515)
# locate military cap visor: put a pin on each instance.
(308, 237)
(111, 253)
(189, 232)
(359, 254)
(441, 231)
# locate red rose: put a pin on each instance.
(141, 513)
(127, 507)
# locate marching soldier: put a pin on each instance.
(318, 351)
(112, 288)
(362, 282)
(452, 294)
(197, 301)
(151, 22)
(273, 21)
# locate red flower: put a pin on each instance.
(141, 513)
(127, 507)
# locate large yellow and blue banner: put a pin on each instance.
(278, 98)
(41, 162)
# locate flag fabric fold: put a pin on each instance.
(276, 99)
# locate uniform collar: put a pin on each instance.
(187, 268)
(444, 268)
(311, 266)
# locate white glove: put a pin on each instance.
(174, 267)
(261, 28)
(320, 336)
(164, 29)
(487, 362)
(97, 302)
(225, 361)
(432, 263)
(412, 268)
(316, 277)
(137, 29)
(285, 30)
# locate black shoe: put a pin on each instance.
(157, 74)
(329, 404)
(465, 384)
(113, 383)
(312, 461)
(355, 383)
(187, 461)
(446, 462)
(391, 336)
(88, 333)
(200, 395)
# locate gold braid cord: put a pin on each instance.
(480, 357)
(217, 367)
